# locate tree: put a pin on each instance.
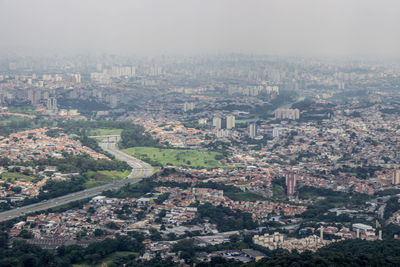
(98, 232)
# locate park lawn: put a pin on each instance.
(11, 176)
(119, 254)
(176, 157)
(244, 196)
(105, 131)
(240, 121)
(111, 258)
(104, 177)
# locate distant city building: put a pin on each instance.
(217, 122)
(277, 131)
(230, 122)
(287, 113)
(363, 229)
(76, 78)
(99, 67)
(291, 178)
(252, 130)
(188, 106)
(126, 71)
(223, 133)
(51, 106)
(396, 177)
(34, 97)
(202, 121)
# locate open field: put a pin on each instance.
(114, 257)
(105, 131)
(11, 176)
(241, 122)
(118, 255)
(176, 157)
(104, 177)
(244, 196)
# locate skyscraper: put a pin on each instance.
(252, 130)
(286, 113)
(396, 177)
(188, 106)
(230, 122)
(291, 178)
(52, 106)
(217, 122)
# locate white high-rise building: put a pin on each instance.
(252, 130)
(287, 113)
(276, 132)
(188, 106)
(217, 122)
(396, 177)
(76, 78)
(51, 106)
(230, 122)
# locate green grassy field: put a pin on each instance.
(114, 257)
(11, 176)
(104, 177)
(241, 122)
(120, 254)
(105, 131)
(244, 196)
(176, 157)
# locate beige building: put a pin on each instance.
(396, 177)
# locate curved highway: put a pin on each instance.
(140, 170)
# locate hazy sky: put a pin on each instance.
(294, 27)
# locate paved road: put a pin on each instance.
(140, 170)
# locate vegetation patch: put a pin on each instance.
(12, 176)
(176, 157)
(105, 131)
(104, 177)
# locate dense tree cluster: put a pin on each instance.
(80, 164)
(392, 205)
(331, 199)
(225, 219)
(12, 125)
(362, 172)
(136, 136)
(23, 254)
(84, 128)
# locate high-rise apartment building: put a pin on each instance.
(230, 122)
(52, 106)
(188, 106)
(217, 122)
(252, 130)
(287, 113)
(396, 177)
(291, 178)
